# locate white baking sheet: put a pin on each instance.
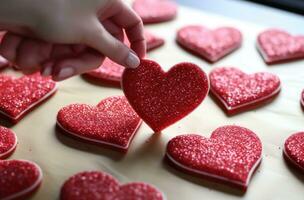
(60, 156)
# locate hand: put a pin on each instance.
(63, 38)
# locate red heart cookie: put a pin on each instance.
(162, 98)
(18, 96)
(95, 185)
(230, 156)
(236, 91)
(112, 122)
(153, 41)
(19, 179)
(8, 142)
(294, 150)
(278, 46)
(155, 11)
(211, 45)
(110, 72)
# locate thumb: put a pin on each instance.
(101, 40)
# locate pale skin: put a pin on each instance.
(63, 38)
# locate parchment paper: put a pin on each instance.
(60, 156)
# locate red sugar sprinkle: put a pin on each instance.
(211, 45)
(19, 179)
(112, 122)
(8, 142)
(17, 96)
(278, 46)
(294, 150)
(94, 185)
(162, 98)
(153, 11)
(231, 155)
(238, 91)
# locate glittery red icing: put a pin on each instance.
(211, 45)
(95, 185)
(17, 96)
(110, 72)
(238, 91)
(8, 142)
(162, 98)
(155, 11)
(294, 149)
(278, 46)
(231, 155)
(19, 179)
(112, 122)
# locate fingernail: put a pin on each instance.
(47, 71)
(65, 72)
(132, 60)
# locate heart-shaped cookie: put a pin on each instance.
(230, 156)
(95, 185)
(8, 142)
(294, 150)
(211, 45)
(20, 95)
(19, 179)
(155, 11)
(110, 72)
(236, 91)
(162, 98)
(112, 122)
(153, 41)
(278, 46)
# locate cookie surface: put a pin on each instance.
(162, 98)
(294, 150)
(8, 142)
(20, 95)
(19, 179)
(236, 91)
(112, 122)
(211, 45)
(95, 185)
(277, 46)
(230, 155)
(110, 72)
(155, 11)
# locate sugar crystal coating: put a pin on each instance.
(162, 98)
(137, 191)
(91, 185)
(209, 44)
(8, 141)
(152, 11)
(277, 46)
(20, 94)
(235, 89)
(232, 153)
(95, 185)
(18, 178)
(112, 121)
(294, 148)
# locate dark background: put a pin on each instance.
(272, 13)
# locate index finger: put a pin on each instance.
(126, 18)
